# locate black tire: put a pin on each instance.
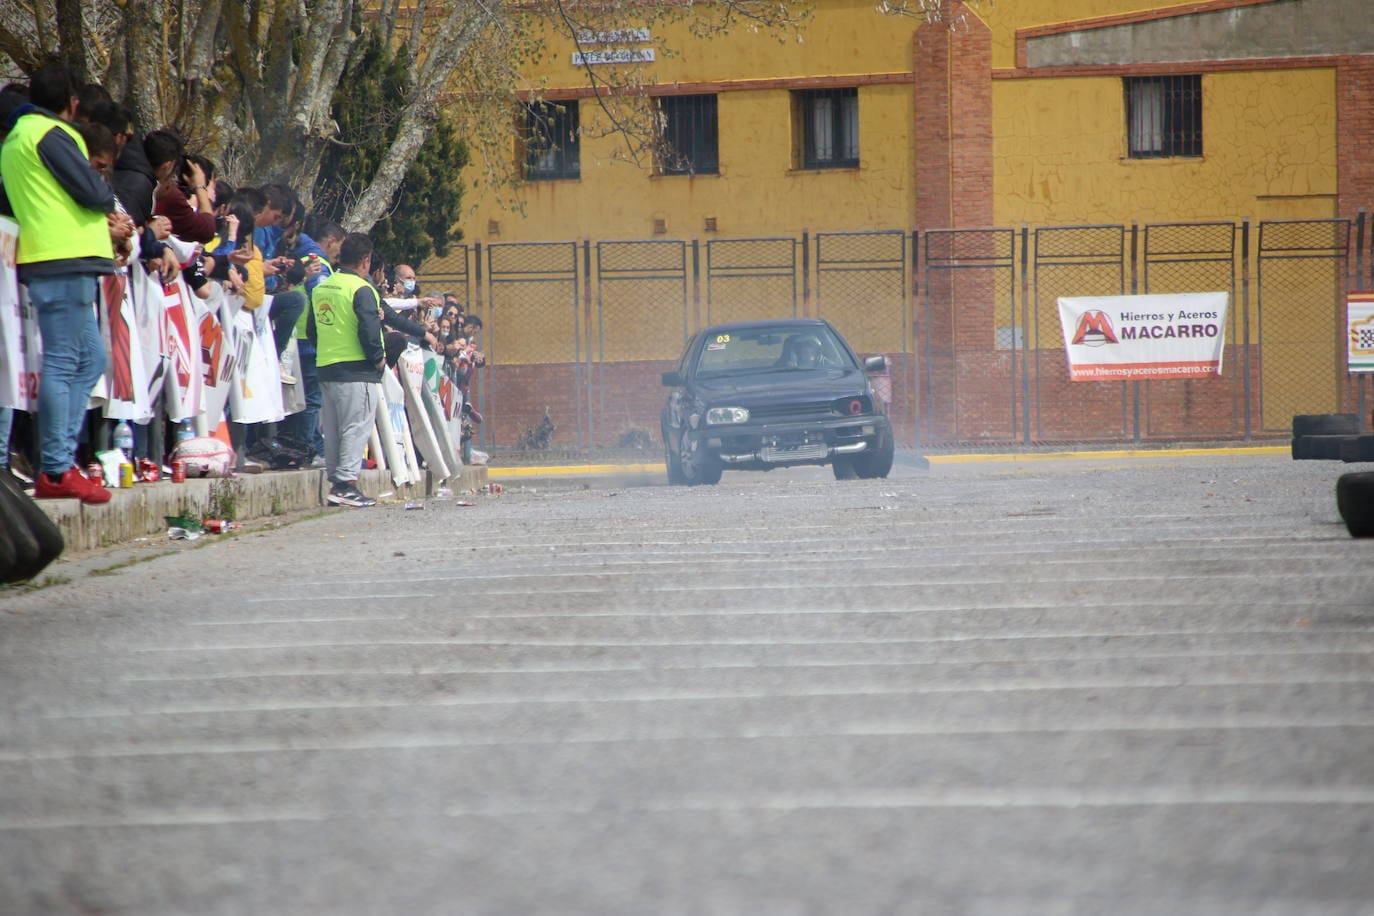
(1326, 424)
(696, 468)
(843, 468)
(1357, 448)
(877, 463)
(1355, 501)
(35, 539)
(45, 531)
(674, 466)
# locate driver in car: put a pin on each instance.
(806, 352)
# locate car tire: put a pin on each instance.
(1326, 424)
(843, 468)
(877, 463)
(674, 466)
(696, 472)
(1355, 501)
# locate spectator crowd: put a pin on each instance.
(105, 211)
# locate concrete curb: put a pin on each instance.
(141, 510)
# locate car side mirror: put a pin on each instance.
(875, 363)
(672, 379)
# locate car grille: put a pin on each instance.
(791, 411)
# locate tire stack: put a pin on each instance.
(29, 540)
(1330, 437)
(1336, 437)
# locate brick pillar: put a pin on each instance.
(957, 326)
(1355, 135)
(954, 125)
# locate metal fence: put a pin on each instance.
(967, 318)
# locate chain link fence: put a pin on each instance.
(968, 319)
(1302, 273)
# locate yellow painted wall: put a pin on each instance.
(756, 192)
(1269, 152)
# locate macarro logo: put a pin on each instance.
(1094, 329)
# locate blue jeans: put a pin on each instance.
(286, 309)
(307, 422)
(73, 360)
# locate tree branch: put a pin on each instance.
(464, 23)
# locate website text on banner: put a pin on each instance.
(1120, 338)
(1360, 326)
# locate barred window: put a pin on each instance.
(1164, 116)
(826, 123)
(552, 141)
(690, 134)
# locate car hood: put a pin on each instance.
(782, 387)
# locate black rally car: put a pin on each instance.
(757, 395)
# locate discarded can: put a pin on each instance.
(148, 471)
(178, 470)
(415, 505)
(216, 525)
(126, 475)
(95, 474)
(493, 489)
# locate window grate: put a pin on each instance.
(552, 141)
(1164, 116)
(829, 128)
(690, 134)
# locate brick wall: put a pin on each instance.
(1355, 134)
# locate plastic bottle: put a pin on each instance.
(124, 438)
(124, 443)
(185, 431)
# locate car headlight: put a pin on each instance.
(719, 416)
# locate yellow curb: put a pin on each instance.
(1123, 453)
(588, 470)
(569, 470)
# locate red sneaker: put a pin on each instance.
(72, 485)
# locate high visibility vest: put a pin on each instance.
(336, 324)
(301, 321)
(52, 226)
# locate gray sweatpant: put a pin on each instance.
(348, 412)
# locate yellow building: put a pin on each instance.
(1039, 113)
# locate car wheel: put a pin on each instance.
(877, 463)
(843, 468)
(696, 467)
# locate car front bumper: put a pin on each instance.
(804, 442)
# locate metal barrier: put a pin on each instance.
(968, 319)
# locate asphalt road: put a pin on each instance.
(1092, 686)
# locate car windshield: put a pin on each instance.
(771, 349)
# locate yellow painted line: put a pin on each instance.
(581, 470)
(568, 470)
(1120, 453)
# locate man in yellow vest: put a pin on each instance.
(345, 326)
(61, 204)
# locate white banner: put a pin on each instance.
(218, 353)
(126, 377)
(1359, 320)
(21, 351)
(255, 396)
(1127, 338)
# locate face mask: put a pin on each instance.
(408, 285)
